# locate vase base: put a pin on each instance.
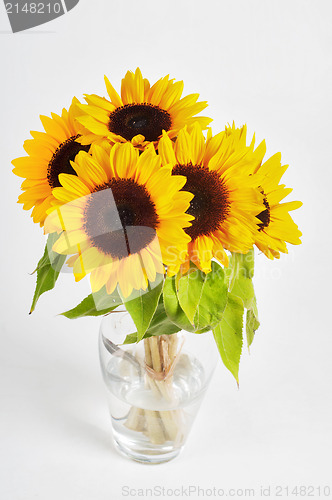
(152, 457)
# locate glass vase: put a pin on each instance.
(155, 387)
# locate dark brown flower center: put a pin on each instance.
(120, 218)
(60, 161)
(264, 216)
(144, 119)
(210, 204)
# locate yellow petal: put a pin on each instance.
(172, 95)
(54, 129)
(197, 144)
(93, 125)
(124, 160)
(183, 147)
(98, 113)
(157, 91)
(114, 96)
(89, 170)
(166, 151)
(69, 241)
(74, 184)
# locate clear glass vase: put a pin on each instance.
(155, 387)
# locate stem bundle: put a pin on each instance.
(159, 425)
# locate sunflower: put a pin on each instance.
(122, 218)
(226, 199)
(276, 225)
(142, 112)
(50, 153)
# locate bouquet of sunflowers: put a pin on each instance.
(135, 191)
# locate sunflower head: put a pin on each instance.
(50, 154)
(123, 218)
(226, 199)
(276, 227)
(142, 112)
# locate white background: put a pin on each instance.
(266, 63)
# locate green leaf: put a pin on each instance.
(172, 306)
(43, 261)
(142, 308)
(208, 293)
(95, 304)
(228, 335)
(252, 324)
(48, 270)
(189, 290)
(160, 325)
(240, 274)
(104, 300)
(203, 297)
(131, 338)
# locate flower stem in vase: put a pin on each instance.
(161, 355)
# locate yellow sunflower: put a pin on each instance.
(142, 112)
(276, 225)
(226, 199)
(122, 218)
(50, 153)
